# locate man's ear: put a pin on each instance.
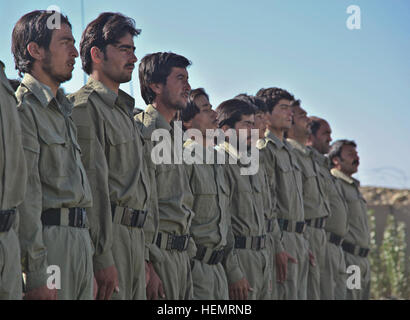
(35, 51)
(157, 88)
(96, 55)
(336, 161)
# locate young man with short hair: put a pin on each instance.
(53, 225)
(248, 262)
(286, 181)
(165, 89)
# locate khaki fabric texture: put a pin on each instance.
(246, 211)
(71, 250)
(209, 227)
(209, 281)
(12, 188)
(10, 267)
(175, 274)
(175, 202)
(364, 265)
(113, 156)
(285, 179)
(295, 285)
(334, 273)
(57, 178)
(333, 286)
(315, 206)
(127, 251)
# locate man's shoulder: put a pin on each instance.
(82, 96)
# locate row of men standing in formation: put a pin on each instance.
(80, 189)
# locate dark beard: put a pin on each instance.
(175, 106)
(47, 68)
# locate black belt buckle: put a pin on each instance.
(300, 227)
(216, 257)
(269, 225)
(258, 242)
(178, 242)
(283, 224)
(363, 252)
(6, 219)
(335, 239)
(240, 242)
(77, 217)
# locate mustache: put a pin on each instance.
(355, 162)
(129, 65)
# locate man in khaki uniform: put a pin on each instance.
(113, 155)
(278, 256)
(283, 168)
(165, 88)
(333, 275)
(248, 267)
(53, 225)
(356, 243)
(315, 207)
(12, 189)
(209, 227)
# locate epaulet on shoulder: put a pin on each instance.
(261, 143)
(81, 96)
(22, 93)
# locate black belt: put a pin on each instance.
(128, 217)
(355, 249)
(172, 242)
(7, 218)
(269, 225)
(252, 242)
(72, 217)
(316, 223)
(209, 256)
(334, 238)
(292, 226)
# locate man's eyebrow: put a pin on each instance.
(67, 38)
(126, 46)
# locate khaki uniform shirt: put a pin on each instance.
(175, 199)
(358, 233)
(211, 195)
(112, 154)
(57, 178)
(337, 220)
(313, 183)
(246, 206)
(12, 163)
(281, 165)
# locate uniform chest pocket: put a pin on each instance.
(120, 152)
(54, 155)
(203, 182)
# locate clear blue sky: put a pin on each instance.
(358, 80)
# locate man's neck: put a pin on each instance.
(44, 78)
(277, 132)
(167, 112)
(301, 140)
(109, 83)
(344, 172)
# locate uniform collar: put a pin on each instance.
(228, 148)
(4, 80)
(44, 95)
(298, 146)
(158, 117)
(270, 136)
(339, 174)
(110, 97)
(321, 158)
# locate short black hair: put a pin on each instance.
(273, 95)
(32, 27)
(106, 29)
(155, 68)
(231, 111)
(192, 109)
(257, 102)
(315, 124)
(337, 146)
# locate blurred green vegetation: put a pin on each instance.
(390, 274)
